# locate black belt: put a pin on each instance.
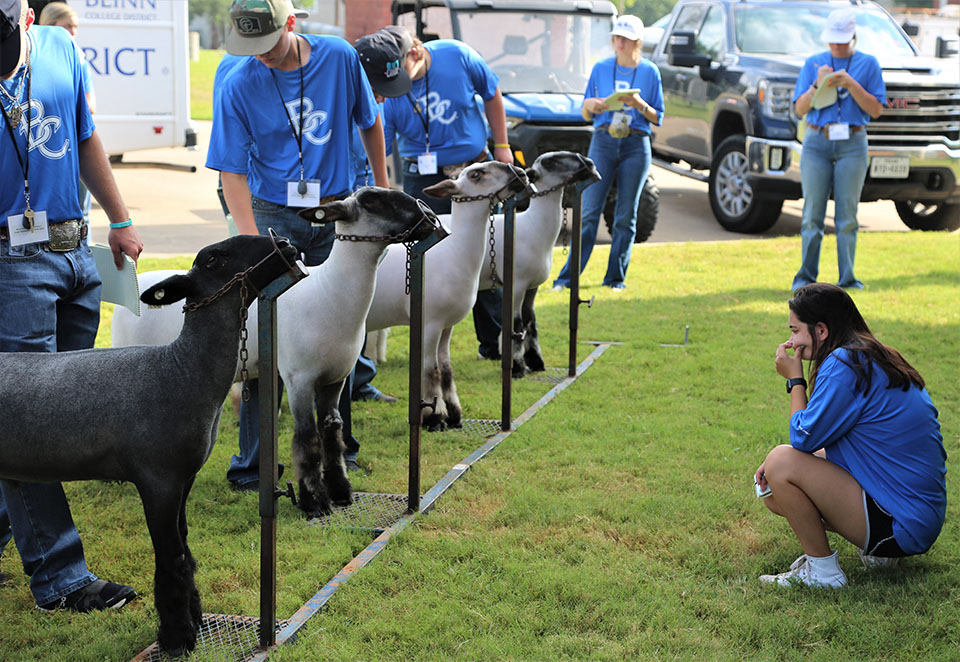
(855, 128)
(604, 127)
(64, 235)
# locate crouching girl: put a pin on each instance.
(866, 457)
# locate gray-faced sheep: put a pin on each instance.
(155, 418)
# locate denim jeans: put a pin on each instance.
(627, 160)
(49, 302)
(315, 243)
(840, 166)
(486, 310)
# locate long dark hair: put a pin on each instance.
(829, 304)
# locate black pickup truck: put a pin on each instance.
(729, 68)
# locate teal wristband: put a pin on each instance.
(124, 224)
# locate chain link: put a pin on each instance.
(494, 276)
(409, 248)
(244, 355)
(565, 233)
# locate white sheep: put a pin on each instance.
(320, 330)
(536, 232)
(156, 414)
(451, 270)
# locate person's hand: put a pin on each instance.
(841, 79)
(503, 155)
(635, 101)
(124, 241)
(789, 366)
(595, 105)
(824, 70)
(760, 476)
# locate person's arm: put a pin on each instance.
(636, 101)
(804, 102)
(791, 367)
(236, 191)
(98, 177)
(593, 106)
(497, 118)
(374, 146)
(869, 103)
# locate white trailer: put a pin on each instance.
(138, 52)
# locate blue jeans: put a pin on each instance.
(627, 160)
(315, 244)
(840, 166)
(49, 302)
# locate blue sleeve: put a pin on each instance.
(230, 140)
(656, 100)
(873, 81)
(833, 410)
(366, 108)
(484, 80)
(592, 88)
(85, 126)
(808, 74)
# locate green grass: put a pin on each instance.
(201, 84)
(618, 523)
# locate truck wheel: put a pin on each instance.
(732, 199)
(647, 210)
(929, 216)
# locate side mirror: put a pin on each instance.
(515, 44)
(682, 50)
(947, 46)
(912, 29)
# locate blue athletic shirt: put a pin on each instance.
(887, 439)
(252, 136)
(60, 120)
(644, 77)
(862, 68)
(458, 132)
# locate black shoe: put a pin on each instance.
(352, 465)
(378, 396)
(253, 485)
(488, 356)
(97, 596)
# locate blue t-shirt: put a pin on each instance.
(59, 121)
(458, 132)
(862, 68)
(607, 77)
(887, 439)
(252, 135)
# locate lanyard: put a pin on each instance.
(633, 78)
(833, 65)
(425, 120)
(24, 161)
(297, 135)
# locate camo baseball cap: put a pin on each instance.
(258, 25)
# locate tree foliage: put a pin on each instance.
(649, 10)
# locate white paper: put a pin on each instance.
(825, 94)
(427, 163)
(309, 199)
(119, 287)
(20, 236)
(615, 100)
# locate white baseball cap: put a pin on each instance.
(628, 26)
(841, 24)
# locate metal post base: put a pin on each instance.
(222, 637)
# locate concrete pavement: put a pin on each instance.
(178, 212)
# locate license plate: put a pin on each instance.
(890, 167)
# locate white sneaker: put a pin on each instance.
(810, 571)
(878, 561)
(557, 288)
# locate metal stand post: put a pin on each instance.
(269, 403)
(574, 284)
(417, 404)
(507, 333)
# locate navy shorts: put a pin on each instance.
(880, 540)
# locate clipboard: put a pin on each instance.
(825, 95)
(119, 287)
(615, 100)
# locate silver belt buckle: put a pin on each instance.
(64, 236)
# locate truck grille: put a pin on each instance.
(917, 116)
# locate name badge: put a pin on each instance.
(21, 236)
(620, 117)
(427, 163)
(838, 131)
(309, 198)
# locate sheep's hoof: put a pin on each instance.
(338, 489)
(179, 643)
(534, 362)
(519, 370)
(454, 420)
(313, 506)
(434, 423)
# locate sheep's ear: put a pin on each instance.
(341, 210)
(169, 290)
(445, 189)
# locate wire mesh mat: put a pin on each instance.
(369, 510)
(222, 638)
(476, 427)
(549, 375)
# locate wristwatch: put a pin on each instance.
(794, 381)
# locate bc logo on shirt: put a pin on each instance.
(313, 120)
(438, 108)
(46, 129)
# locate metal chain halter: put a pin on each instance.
(564, 232)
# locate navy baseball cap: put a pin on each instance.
(9, 36)
(383, 63)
